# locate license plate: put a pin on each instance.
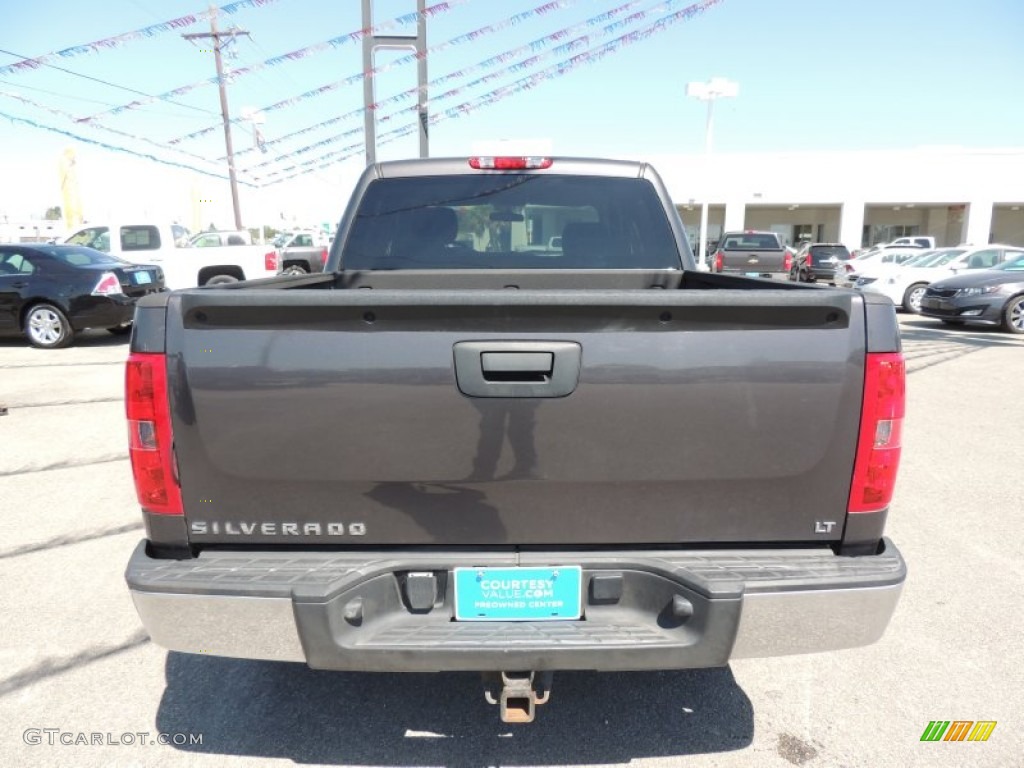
(518, 594)
(141, 278)
(753, 274)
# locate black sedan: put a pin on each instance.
(48, 292)
(991, 296)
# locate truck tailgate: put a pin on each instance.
(752, 260)
(342, 416)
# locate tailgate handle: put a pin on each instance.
(517, 368)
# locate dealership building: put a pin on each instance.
(957, 195)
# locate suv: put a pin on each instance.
(818, 261)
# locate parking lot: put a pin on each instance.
(74, 660)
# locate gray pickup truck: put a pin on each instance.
(445, 456)
(754, 254)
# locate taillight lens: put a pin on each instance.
(509, 163)
(810, 259)
(787, 261)
(150, 441)
(719, 261)
(108, 285)
(881, 432)
(270, 261)
(323, 259)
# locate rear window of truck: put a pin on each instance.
(510, 221)
(752, 242)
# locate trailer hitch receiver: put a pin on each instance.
(517, 694)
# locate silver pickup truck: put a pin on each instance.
(447, 452)
(299, 253)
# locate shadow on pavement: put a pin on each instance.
(283, 710)
(90, 338)
(56, 666)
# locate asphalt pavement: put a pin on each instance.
(81, 684)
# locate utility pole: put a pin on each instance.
(216, 36)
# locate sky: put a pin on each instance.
(812, 75)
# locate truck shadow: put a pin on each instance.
(284, 710)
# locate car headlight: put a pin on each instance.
(978, 290)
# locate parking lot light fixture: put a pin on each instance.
(715, 88)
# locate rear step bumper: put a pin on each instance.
(642, 609)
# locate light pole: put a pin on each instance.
(715, 88)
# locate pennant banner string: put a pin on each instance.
(523, 84)
(302, 53)
(108, 43)
(570, 46)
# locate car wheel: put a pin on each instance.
(121, 330)
(912, 298)
(1013, 315)
(294, 269)
(47, 327)
(221, 280)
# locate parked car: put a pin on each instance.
(166, 244)
(905, 287)
(50, 292)
(299, 253)
(754, 254)
(213, 239)
(915, 241)
(990, 296)
(852, 270)
(901, 244)
(818, 261)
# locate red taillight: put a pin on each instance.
(150, 442)
(509, 163)
(810, 259)
(881, 430)
(108, 285)
(719, 261)
(787, 261)
(323, 258)
(270, 261)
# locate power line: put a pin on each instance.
(107, 83)
(86, 100)
(112, 147)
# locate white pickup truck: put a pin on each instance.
(166, 245)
